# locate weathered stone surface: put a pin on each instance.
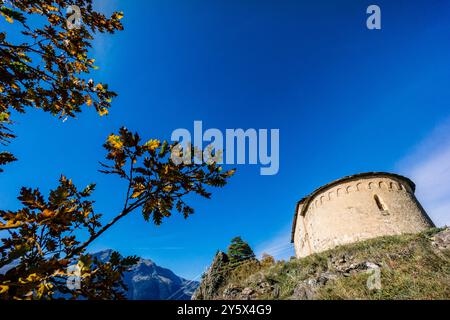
(442, 239)
(260, 289)
(212, 279)
(247, 292)
(325, 277)
(232, 293)
(305, 290)
(357, 208)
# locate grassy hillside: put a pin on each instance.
(411, 267)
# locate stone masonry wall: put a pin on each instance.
(358, 210)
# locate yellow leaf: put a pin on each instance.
(4, 117)
(47, 213)
(88, 100)
(230, 172)
(136, 193)
(3, 289)
(52, 8)
(114, 141)
(103, 112)
(138, 189)
(152, 144)
(119, 15)
(32, 277)
(10, 225)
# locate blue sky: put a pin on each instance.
(345, 99)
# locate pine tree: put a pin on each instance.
(239, 250)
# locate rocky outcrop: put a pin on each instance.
(213, 279)
(259, 285)
(381, 268)
(343, 266)
(442, 239)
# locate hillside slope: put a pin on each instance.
(409, 267)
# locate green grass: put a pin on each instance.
(410, 269)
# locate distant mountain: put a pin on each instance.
(148, 281)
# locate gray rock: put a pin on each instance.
(276, 292)
(232, 293)
(305, 290)
(247, 292)
(371, 265)
(325, 277)
(213, 278)
(442, 239)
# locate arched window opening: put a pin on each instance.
(378, 202)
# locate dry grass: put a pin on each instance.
(410, 269)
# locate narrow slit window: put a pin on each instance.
(379, 203)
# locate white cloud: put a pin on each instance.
(429, 167)
(280, 246)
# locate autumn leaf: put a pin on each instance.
(8, 18)
(152, 144)
(46, 66)
(115, 141)
(136, 193)
(47, 213)
(4, 117)
(99, 87)
(103, 112)
(138, 190)
(51, 8)
(10, 224)
(88, 100)
(3, 289)
(119, 15)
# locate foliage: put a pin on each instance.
(47, 67)
(243, 271)
(41, 235)
(41, 238)
(267, 260)
(239, 250)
